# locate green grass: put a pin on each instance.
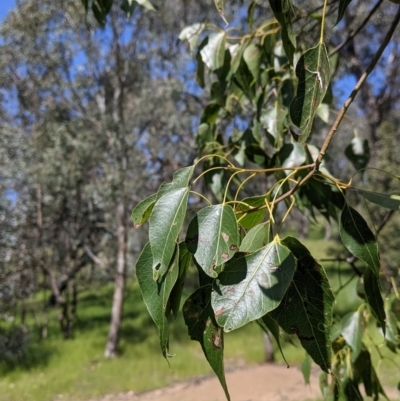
(77, 370)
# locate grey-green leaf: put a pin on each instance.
(374, 297)
(391, 202)
(358, 238)
(352, 331)
(156, 294)
(313, 73)
(256, 238)
(165, 224)
(180, 179)
(213, 237)
(200, 320)
(191, 34)
(252, 57)
(306, 369)
(213, 53)
(306, 309)
(252, 285)
(142, 211)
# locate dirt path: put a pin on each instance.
(254, 383)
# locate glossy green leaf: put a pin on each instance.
(142, 211)
(213, 53)
(270, 325)
(313, 73)
(281, 10)
(391, 202)
(202, 327)
(358, 153)
(165, 223)
(185, 257)
(251, 219)
(156, 294)
(358, 238)
(213, 237)
(191, 34)
(306, 309)
(252, 285)
(353, 326)
(256, 238)
(181, 179)
(343, 4)
(252, 57)
(374, 297)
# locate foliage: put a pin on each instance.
(267, 86)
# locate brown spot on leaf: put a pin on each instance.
(233, 247)
(137, 225)
(224, 255)
(225, 236)
(220, 311)
(216, 338)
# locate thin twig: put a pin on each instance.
(354, 33)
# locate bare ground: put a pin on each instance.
(251, 383)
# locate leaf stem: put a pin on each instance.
(321, 39)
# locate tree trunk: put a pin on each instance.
(118, 299)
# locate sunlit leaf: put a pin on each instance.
(273, 120)
(252, 57)
(185, 257)
(374, 297)
(165, 224)
(252, 285)
(146, 4)
(202, 327)
(191, 34)
(213, 53)
(181, 179)
(292, 155)
(256, 238)
(213, 237)
(358, 153)
(251, 218)
(142, 211)
(306, 309)
(353, 326)
(156, 294)
(323, 112)
(313, 73)
(358, 238)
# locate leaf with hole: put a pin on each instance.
(306, 309)
(256, 238)
(213, 237)
(200, 320)
(142, 211)
(358, 238)
(313, 74)
(156, 294)
(252, 285)
(165, 223)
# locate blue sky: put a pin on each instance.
(5, 7)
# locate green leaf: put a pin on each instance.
(323, 112)
(181, 179)
(251, 219)
(270, 325)
(252, 57)
(165, 224)
(142, 211)
(391, 202)
(343, 4)
(281, 10)
(374, 297)
(213, 237)
(273, 120)
(156, 294)
(252, 285)
(306, 369)
(185, 257)
(200, 63)
(213, 53)
(313, 73)
(292, 155)
(358, 153)
(191, 34)
(256, 238)
(358, 238)
(306, 309)
(146, 4)
(200, 320)
(352, 331)
(220, 7)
